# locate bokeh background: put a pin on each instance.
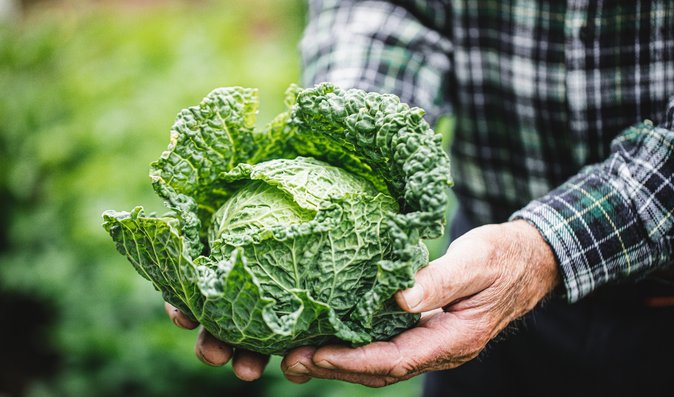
(88, 92)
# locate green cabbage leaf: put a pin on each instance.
(297, 233)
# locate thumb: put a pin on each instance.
(461, 272)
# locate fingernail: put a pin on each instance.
(297, 369)
(413, 296)
(203, 358)
(325, 364)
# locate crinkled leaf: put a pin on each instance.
(205, 141)
(393, 139)
(236, 310)
(158, 252)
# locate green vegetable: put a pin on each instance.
(296, 234)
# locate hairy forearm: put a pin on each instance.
(543, 270)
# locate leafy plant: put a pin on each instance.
(298, 233)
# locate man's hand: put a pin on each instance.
(488, 278)
(247, 365)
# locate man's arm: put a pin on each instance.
(615, 219)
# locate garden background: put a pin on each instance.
(89, 90)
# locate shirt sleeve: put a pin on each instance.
(615, 219)
(380, 46)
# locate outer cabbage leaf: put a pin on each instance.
(393, 139)
(205, 141)
(158, 252)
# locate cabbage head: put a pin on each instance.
(297, 233)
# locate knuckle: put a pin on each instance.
(483, 246)
(432, 286)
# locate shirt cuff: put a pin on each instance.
(592, 230)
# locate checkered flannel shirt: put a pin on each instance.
(549, 99)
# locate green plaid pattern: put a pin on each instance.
(549, 99)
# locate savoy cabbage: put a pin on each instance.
(298, 233)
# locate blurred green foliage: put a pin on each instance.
(88, 96)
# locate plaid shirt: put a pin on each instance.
(549, 99)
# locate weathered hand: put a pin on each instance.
(489, 277)
(247, 365)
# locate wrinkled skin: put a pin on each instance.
(488, 278)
